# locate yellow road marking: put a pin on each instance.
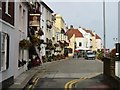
(72, 83)
(66, 85)
(69, 84)
(35, 83)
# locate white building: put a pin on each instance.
(14, 28)
(87, 37)
(98, 42)
(21, 28)
(46, 24)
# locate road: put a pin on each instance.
(61, 73)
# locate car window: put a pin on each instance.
(89, 53)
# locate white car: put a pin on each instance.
(90, 55)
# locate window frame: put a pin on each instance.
(7, 8)
(4, 63)
(80, 44)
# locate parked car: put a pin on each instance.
(90, 55)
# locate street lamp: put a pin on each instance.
(104, 28)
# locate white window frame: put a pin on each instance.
(6, 8)
(1, 5)
(3, 52)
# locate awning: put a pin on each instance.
(76, 51)
(82, 48)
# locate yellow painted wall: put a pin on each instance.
(59, 22)
(71, 44)
(94, 44)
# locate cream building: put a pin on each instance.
(82, 39)
(76, 39)
(60, 30)
(59, 22)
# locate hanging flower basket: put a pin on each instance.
(35, 40)
(24, 44)
(40, 32)
(56, 45)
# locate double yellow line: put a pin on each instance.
(34, 83)
(70, 84)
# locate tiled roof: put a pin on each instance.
(77, 33)
(97, 37)
(89, 31)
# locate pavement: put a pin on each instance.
(23, 79)
(94, 83)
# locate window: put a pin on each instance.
(75, 45)
(0, 5)
(0, 9)
(80, 44)
(4, 51)
(20, 59)
(7, 8)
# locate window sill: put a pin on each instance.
(7, 14)
(3, 69)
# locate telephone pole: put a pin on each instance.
(104, 28)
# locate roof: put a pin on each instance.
(77, 33)
(97, 37)
(89, 31)
(45, 5)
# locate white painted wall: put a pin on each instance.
(9, 29)
(82, 40)
(43, 26)
(21, 21)
(46, 15)
(87, 37)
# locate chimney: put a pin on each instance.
(71, 26)
(80, 27)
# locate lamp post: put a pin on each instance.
(104, 28)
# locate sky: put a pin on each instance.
(89, 14)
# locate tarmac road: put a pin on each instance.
(65, 73)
